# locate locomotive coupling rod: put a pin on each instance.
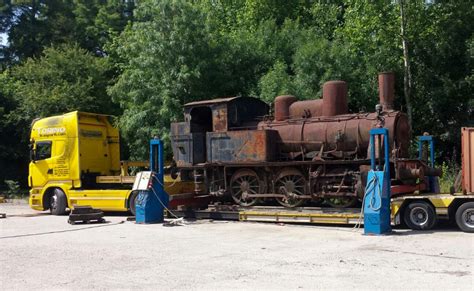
(333, 194)
(330, 194)
(276, 196)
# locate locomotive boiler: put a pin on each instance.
(311, 151)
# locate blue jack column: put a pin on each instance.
(432, 180)
(151, 203)
(377, 191)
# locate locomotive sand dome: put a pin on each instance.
(310, 151)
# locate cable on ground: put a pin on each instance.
(61, 231)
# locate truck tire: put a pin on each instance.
(132, 202)
(420, 215)
(58, 202)
(465, 217)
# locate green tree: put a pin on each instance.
(173, 53)
(276, 82)
(13, 153)
(32, 25)
(64, 78)
(440, 34)
(98, 21)
(8, 131)
(163, 57)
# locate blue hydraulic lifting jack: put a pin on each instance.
(433, 182)
(152, 199)
(377, 191)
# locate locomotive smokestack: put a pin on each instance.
(334, 98)
(282, 107)
(387, 90)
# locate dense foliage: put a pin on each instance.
(142, 60)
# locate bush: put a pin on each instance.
(13, 188)
(450, 172)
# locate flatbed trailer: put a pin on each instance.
(418, 212)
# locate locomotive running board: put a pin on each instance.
(276, 214)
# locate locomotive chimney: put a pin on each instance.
(334, 98)
(387, 90)
(282, 107)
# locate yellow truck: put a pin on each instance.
(75, 161)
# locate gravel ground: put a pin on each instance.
(38, 250)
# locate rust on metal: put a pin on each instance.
(343, 136)
(210, 102)
(334, 98)
(308, 151)
(282, 107)
(467, 144)
(219, 118)
(387, 90)
(398, 131)
(241, 146)
(306, 109)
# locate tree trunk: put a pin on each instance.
(33, 31)
(407, 80)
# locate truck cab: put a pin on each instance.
(75, 161)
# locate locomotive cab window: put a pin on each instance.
(245, 113)
(201, 119)
(43, 150)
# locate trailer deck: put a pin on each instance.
(275, 214)
(444, 207)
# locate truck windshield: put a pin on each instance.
(43, 150)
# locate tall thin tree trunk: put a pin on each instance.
(33, 32)
(407, 80)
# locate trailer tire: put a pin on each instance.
(58, 203)
(420, 215)
(465, 217)
(132, 202)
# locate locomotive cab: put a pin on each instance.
(213, 129)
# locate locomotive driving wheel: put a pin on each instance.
(292, 184)
(342, 201)
(243, 183)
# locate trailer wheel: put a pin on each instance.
(132, 202)
(420, 215)
(58, 202)
(465, 217)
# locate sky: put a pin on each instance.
(3, 38)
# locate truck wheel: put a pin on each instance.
(465, 217)
(58, 202)
(132, 202)
(420, 216)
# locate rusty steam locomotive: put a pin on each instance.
(308, 152)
